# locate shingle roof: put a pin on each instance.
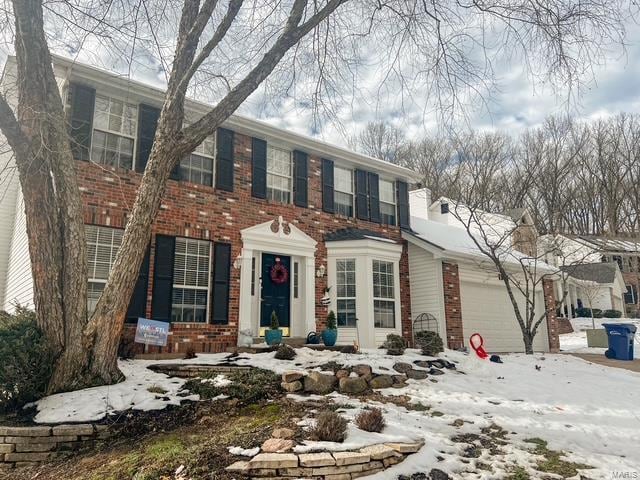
(354, 234)
(603, 272)
(623, 245)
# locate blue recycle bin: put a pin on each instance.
(620, 337)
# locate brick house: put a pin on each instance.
(256, 220)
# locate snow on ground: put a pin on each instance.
(588, 411)
(576, 342)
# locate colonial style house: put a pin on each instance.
(454, 283)
(256, 220)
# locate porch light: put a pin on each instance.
(321, 271)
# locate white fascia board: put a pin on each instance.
(109, 81)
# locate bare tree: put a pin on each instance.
(382, 140)
(236, 46)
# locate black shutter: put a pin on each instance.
(163, 278)
(300, 174)
(147, 123)
(224, 160)
(220, 283)
(374, 197)
(403, 204)
(83, 99)
(362, 196)
(327, 186)
(258, 168)
(138, 304)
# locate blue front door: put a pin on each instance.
(275, 297)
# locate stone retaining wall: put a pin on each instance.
(345, 465)
(27, 446)
(192, 371)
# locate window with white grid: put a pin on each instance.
(103, 244)
(114, 132)
(346, 292)
(198, 166)
(191, 274)
(343, 191)
(384, 304)
(387, 202)
(278, 174)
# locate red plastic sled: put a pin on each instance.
(476, 341)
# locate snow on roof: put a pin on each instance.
(626, 245)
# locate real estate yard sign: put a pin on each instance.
(152, 332)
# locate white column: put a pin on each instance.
(244, 313)
(309, 295)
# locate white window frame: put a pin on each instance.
(344, 170)
(270, 174)
(388, 299)
(108, 131)
(200, 151)
(346, 298)
(392, 204)
(97, 283)
(185, 286)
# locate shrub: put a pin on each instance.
(395, 344)
(332, 324)
(370, 420)
(26, 360)
(329, 427)
(275, 323)
(586, 312)
(285, 352)
(248, 386)
(612, 314)
(430, 343)
(190, 353)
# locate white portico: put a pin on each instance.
(263, 246)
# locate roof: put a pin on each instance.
(621, 244)
(352, 233)
(243, 124)
(603, 272)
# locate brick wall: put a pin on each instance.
(552, 321)
(452, 305)
(197, 211)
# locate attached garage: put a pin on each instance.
(487, 310)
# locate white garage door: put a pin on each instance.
(487, 310)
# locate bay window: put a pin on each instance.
(114, 132)
(191, 274)
(346, 292)
(384, 305)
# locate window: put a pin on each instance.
(444, 208)
(343, 191)
(278, 174)
(631, 295)
(103, 244)
(346, 292)
(114, 131)
(191, 269)
(253, 276)
(384, 304)
(296, 279)
(197, 167)
(387, 202)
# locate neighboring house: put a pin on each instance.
(248, 198)
(624, 253)
(455, 282)
(593, 285)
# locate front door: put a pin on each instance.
(276, 291)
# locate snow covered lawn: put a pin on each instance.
(576, 342)
(588, 411)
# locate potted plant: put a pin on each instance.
(330, 334)
(273, 335)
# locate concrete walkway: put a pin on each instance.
(633, 365)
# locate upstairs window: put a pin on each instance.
(631, 295)
(387, 202)
(343, 191)
(198, 166)
(278, 174)
(103, 244)
(114, 132)
(384, 303)
(346, 292)
(191, 273)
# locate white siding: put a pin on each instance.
(19, 287)
(425, 274)
(9, 193)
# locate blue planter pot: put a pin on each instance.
(329, 337)
(273, 337)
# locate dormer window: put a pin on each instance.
(114, 132)
(444, 208)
